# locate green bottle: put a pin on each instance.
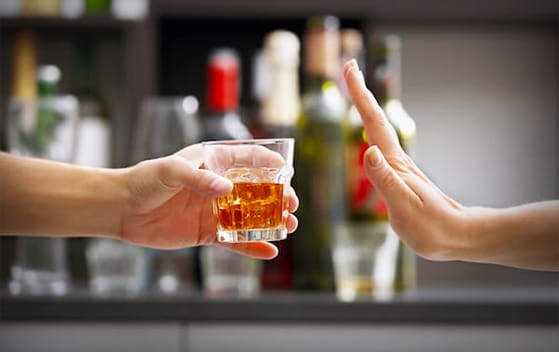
(319, 165)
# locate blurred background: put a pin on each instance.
(479, 78)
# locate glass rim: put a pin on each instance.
(255, 141)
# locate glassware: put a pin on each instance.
(115, 267)
(229, 274)
(364, 260)
(261, 171)
(172, 271)
(166, 125)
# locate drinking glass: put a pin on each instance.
(261, 171)
(364, 258)
(165, 125)
(229, 274)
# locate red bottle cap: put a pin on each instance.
(223, 80)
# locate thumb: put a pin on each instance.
(390, 185)
(198, 180)
(154, 181)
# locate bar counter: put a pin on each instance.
(479, 305)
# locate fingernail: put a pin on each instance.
(374, 157)
(350, 65)
(362, 77)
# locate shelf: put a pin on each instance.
(379, 10)
(507, 306)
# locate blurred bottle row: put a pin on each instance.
(123, 9)
(344, 242)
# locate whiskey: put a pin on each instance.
(252, 206)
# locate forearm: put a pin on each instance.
(525, 236)
(45, 197)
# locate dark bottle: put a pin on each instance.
(319, 166)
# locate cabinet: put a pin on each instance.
(512, 50)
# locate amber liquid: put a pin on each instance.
(252, 206)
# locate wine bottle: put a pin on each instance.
(387, 88)
(319, 175)
(279, 112)
(222, 119)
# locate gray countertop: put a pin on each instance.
(481, 305)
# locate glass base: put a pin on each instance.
(255, 235)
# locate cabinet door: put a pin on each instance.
(348, 338)
(89, 337)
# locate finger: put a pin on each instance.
(175, 171)
(194, 153)
(293, 201)
(377, 127)
(258, 250)
(292, 223)
(391, 186)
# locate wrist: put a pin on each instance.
(117, 199)
(475, 242)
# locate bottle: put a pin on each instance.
(95, 133)
(279, 112)
(281, 104)
(222, 119)
(319, 166)
(387, 88)
(40, 265)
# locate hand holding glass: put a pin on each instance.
(261, 171)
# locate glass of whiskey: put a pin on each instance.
(261, 172)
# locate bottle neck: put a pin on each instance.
(388, 83)
(322, 53)
(388, 74)
(223, 81)
(47, 89)
(25, 63)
